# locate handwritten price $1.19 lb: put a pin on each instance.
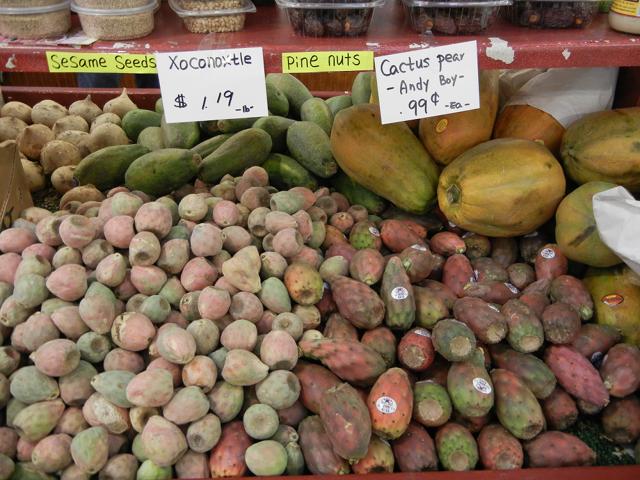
(221, 98)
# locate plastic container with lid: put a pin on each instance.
(32, 19)
(553, 13)
(216, 16)
(330, 19)
(624, 16)
(107, 23)
(453, 17)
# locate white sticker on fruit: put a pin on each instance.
(481, 385)
(422, 331)
(512, 287)
(399, 293)
(531, 235)
(212, 84)
(548, 253)
(467, 235)
(374, 231)
(493, 307)
(452, 225)
(420, 248)
(597, 358)
(386, 405)
(428, 82)
(325, 286)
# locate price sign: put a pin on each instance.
(212, 84)
(428, 82)
(75, 62)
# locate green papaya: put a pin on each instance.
(285, 173)
(277, 101)
(361, 88)
(151, 137)
(310, 145)
(296, 92)
(106, 168)
(135, 121)
(180, 135)
(357, 194)
(387, 159)
(159, 173)
(234, 125)
(210, 145)
(339, 103)
(317, 111)
(244, 149)
(276, 127)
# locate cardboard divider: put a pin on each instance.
(14, 191)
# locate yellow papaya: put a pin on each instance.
(448, 136)
(576, 230)
(604, 146)
(502, 188)
(389, 159)
(616, 297)
(529, 123)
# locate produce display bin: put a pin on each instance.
(106, 23)
(218, 16)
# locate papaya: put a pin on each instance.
(339, 103)
(210, 145)
(387, 159)
(106, 168)
(604, 146)
(529, 123)
(309, 144)
(245, 149)
(358, 195)
(616, 297)
(448, 136)
(277, 128)
(277, 101)
(361, 88)
(135, 121)
(151, 137)
(576, 230)
(180, 135)
(285, 173)
(296, 92)
(502, 188)
(160, 172)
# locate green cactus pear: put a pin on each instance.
(226, 400)
(453, 340)
(457, 449)
(29, 385)
(533, 371)
(37, 420)
(431, 404)
(164, 443)
(470, 386)
(90, 449)
(397, 294)
(150, 471)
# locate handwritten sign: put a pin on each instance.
(212, 84)
(310, 62)
(71, 62)
(428, 82)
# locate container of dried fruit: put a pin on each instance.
(330, 19)
(452, 18)
(30, 19)
(109, 22)
(552, 13)
(217, 16)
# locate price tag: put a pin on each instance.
(428, 82)
(69, 62)
(310, 62)
(212, 84)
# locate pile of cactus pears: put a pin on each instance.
(237, 329)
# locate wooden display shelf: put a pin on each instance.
(269, 28)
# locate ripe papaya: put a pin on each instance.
(616, 297)
(529, 123)
(604, 146)
(502, 188)
(576, 230)
(448, 136)
(387, 159)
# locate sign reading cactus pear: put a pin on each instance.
(212, 84)
(428, 82)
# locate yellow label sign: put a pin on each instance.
(311, 62)
(72, 62)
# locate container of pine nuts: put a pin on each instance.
(32, 19)
(116, 19)
(212, 16)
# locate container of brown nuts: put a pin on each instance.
(116, 19)
(552, 13)
(217, 16)
(32, 19)
(330, 18)
(452, 18)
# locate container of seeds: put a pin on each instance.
(452, 17)
(552, 13)
(32, 19)
(217, 16)
(110, 23)
(330, 19)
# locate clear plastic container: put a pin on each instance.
(116, 24)
(552, 13)
(217, 16)
(453, 18)
(111, 4)
(330, 19)
(34, 19)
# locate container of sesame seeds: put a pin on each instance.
(115, 19)
(212, 16)
(32, 19)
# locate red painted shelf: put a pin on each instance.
(269, 28)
